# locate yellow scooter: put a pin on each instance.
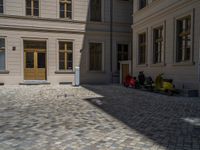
(164, 85)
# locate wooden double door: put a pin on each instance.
(34, 64)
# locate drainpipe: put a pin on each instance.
(111, 39)
(199, 68)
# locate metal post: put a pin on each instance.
(111, 38)
(77, 76)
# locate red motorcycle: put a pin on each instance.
(130, 81)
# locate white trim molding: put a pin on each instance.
(128, 62)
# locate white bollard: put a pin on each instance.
(77, 76)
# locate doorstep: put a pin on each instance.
(65, 83)
(35, 82)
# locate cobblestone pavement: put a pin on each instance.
(96, 118)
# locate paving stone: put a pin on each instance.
(96, 118)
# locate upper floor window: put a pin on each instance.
(142, 48)
(1, 6)
(96, 56)
(66, 9)
(95, 10)
(32, 7)
(65, 55)
(2, 54)
(158, 45)
(183, 36)
(142, 3)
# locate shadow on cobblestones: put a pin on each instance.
(171, 122)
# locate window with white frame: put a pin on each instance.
(122, 54)
(95, 56)
(158, 45)
(65, 55)
(95, 10)
(1, 6)
(32, 7)
(142, 48)
(66, 9)
(2, 54)
(183, 39)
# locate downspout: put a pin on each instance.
(199, 67)
(132, 23)
(111, 39)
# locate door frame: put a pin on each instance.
(128, 62)
(22, 55)
(35, 51)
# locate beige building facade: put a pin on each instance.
(46, 39)
(166, 37)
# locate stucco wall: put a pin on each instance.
(165, 12)
(15, 27)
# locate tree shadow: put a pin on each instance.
(171, 122)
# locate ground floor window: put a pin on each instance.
(142, 48)
(122, 54)
(35, 45)
(183, 36)
(65, 55)
(2, 54)
(158, 45)
(96, 56)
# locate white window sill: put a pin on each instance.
(64, 72)
(4, 72)
(30, 16)
(65, 19)
(142, 65)
(90, 71)
(184, 63)
(158, 65)
(96, 22)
